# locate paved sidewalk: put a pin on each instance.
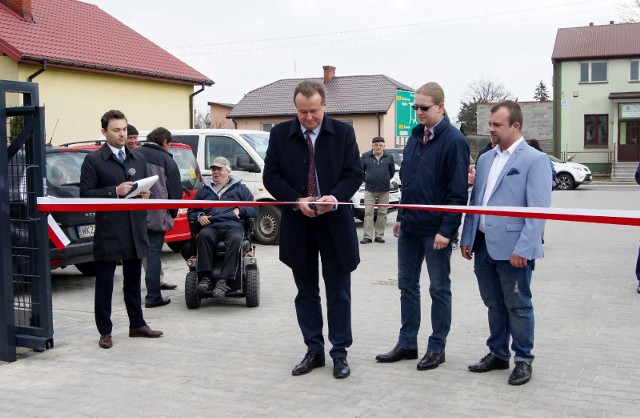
(225, 359)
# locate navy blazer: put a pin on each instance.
(524, 182)
(339, 172)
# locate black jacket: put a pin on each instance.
(339, 171)
(118, 235)
(377, 172)
(156, 155)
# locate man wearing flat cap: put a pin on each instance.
(220, 224)
(379, 168)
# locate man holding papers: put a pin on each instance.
(110, 172)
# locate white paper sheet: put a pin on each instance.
(140, 185)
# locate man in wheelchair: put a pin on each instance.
(220, 224)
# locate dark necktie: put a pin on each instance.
(121, 157)
(312, 185)
(427, 134)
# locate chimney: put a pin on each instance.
(590, 23)
(329, 72)
(21, 7)
(611, 22)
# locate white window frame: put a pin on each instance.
(590, 75)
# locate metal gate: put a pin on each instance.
(25, 285)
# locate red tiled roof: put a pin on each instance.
(345, 95)
(70, 33)
(605, 41)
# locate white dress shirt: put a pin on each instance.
(496, 168)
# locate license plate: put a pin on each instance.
(86, 231)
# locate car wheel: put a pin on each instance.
(252, 288)
(88, 269)
(268, 226)
(191, 296)
(565, 181)
(176, 246)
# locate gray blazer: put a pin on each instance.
(524, 181)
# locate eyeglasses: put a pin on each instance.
(423, 108)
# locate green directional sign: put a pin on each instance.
(405, 115)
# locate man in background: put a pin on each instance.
(378, 168)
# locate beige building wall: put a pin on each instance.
(74, 102)
(366, 127)
(9, 71)
(219, 116)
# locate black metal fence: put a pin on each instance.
(25, 285)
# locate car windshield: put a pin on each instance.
(189, 171)
(258, 141)
(397, 155)
(63, 168)
(554, 159)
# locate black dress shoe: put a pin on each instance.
(431, 360)
(341, 368)
(164, 301)
(521, 374)
(380, 240)
(398, 353)
(365, 241)
(308, 363)
(167, 286)
(488, 363)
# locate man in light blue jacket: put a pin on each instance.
(505, 248)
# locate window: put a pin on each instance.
(224, 146)
(268, 126)
(596, 130)
(593, 72)
(634, 70)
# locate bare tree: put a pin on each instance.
(630, 11)
(203, 120)
(219, 122)
(484, 90)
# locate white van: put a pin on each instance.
(246, 151)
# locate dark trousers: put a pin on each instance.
(104, 293)
(338, 293)
(208, 238)
(638, 266)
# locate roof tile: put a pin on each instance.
(614, 40)
(345, 95)
(76, 34)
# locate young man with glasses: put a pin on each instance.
(433, 172)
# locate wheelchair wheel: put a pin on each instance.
(191, 296)
(252, 288)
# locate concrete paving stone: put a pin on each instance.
(228, 360)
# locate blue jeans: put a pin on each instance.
(154, 265)
(412, 250)
(506, 292)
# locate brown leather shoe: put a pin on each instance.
(144, 331)
(105, 341)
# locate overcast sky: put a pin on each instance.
(243, 45)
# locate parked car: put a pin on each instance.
(191, 179)
(245, 150)
(358, 200)
(570, 175)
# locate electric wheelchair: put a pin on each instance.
(246, 283)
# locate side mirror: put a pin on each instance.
(245, 163)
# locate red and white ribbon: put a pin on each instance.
(602, 216)
(57, 235)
